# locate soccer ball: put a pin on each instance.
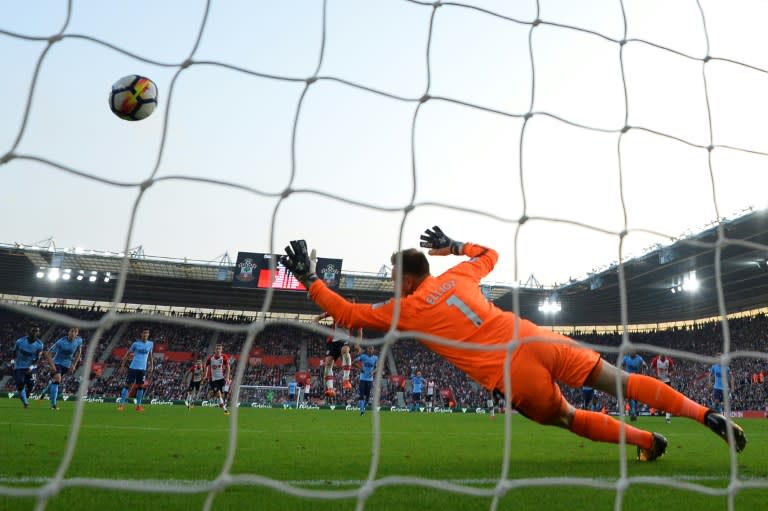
(133, 98)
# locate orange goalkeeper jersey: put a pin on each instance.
(450, 306)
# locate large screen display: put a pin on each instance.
(252, 270)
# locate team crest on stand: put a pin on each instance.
(330, 274)
(245, 273)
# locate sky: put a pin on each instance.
(374, 166)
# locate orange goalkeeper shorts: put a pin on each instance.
(536, 367)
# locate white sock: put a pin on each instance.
(346, 365)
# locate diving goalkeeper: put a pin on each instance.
(451, 306)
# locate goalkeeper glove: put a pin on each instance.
(298, 262)
(436, 239)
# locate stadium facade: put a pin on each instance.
(733, 253)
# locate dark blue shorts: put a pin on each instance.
(417, 396)
(365, 389)
(718, 395)
(135, 376)
(62, 369)
(22, 377)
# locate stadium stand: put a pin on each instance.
(279, 351)
(189, 289)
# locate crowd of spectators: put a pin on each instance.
(411, 356)
(691, 375)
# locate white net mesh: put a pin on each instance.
(467, 115)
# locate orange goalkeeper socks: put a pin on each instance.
(604, 428)
(661, 396)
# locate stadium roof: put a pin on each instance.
(740, 255)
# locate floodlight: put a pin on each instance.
(690, 282)
(550, 306)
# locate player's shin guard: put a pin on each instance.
(54, 389)
(346, 365)
(139, 396)
(604, 428)
(361, 405)
(329, 378)
(661, 396)
(23, 396)
(123, 395)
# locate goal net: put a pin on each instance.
(270, 396)
(566, 136)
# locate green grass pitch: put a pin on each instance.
(325, 452)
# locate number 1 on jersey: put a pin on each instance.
(471, 315)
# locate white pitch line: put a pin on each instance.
(350, 482)
(175, 429)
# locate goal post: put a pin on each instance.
(271, 395)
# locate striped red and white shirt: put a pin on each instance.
(217, 366)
